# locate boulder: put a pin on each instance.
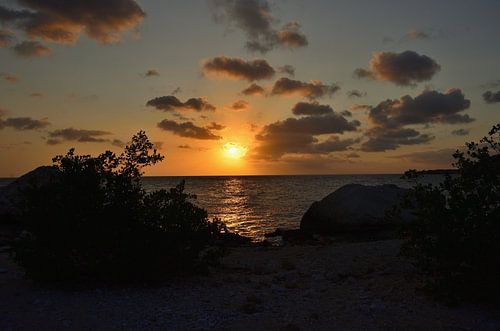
(11, 195)
(355, 207)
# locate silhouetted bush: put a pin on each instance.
(95, 222)
(456, 236)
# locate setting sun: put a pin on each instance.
(234, 150)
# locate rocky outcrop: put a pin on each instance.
(11, 195)
(355, 207)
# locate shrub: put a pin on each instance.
(96, 222)
(456, 236)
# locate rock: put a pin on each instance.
(11, 195)
(355, 207)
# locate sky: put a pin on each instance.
(249, 87)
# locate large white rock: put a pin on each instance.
(355, 207)
(11, 195)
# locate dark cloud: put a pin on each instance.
(346, 113)
(294, 135)
(355, 94)
(237, 68)
(79, 135)
(427, 107)
(184, 147)
(491, 97)
(6, 38)
(31, 49)
(239, 105)
(404, 69)
(255, 19)
(9, 77)
(23, 123)
(460, 132)
(389, 118)
(334, 144)
(65, 21)
(37, 95)
(254, 90)
(383, 139)
(287, 69)
(151, 73)
(188, 130)
(215, 126)
(312, 90)
(171, 103)
(313, 108)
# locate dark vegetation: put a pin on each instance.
(456, 236)
(96, 222)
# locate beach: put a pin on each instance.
(327, 285)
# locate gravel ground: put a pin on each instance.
(339, 286)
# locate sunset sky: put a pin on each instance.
(229, 87)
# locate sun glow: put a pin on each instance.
(234, 150)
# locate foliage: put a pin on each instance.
(456, 235)
(96, 222)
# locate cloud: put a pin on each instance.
(389, 118)
(238, 69)
(416, 35)
(427, 107)
(355, 94)
(254, 90)
(118, 143)
(255, 19)
(346, 113)
(23, 123)
(239, 105)
(64, 22)
(31, 49)
(460, 132)
(404, 69)
(79, 135)
(151, 73)
(6, 38)
(188, 130)
(287, 69)
(294, 135)
(442, 157)
(9, 77)
(215, 126)
(36, 95)
(184, 147)
(352, 155)
(491, 84)
(171, 103)
(359, 107)
(313, 108)
(383, 139)
(491, 97)
(313, 90)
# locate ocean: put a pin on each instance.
(255, 205)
